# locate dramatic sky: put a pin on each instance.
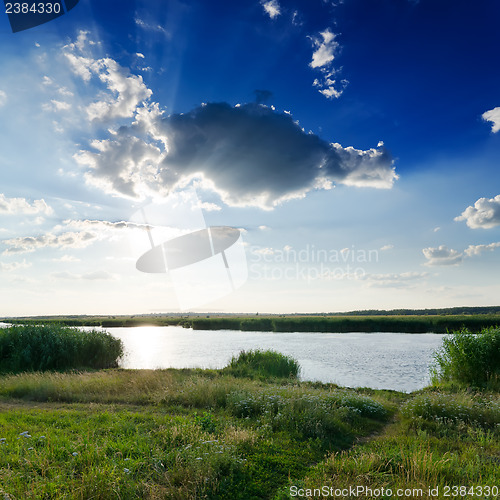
(354, 144)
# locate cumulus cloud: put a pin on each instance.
(484, 214)
(250, 154)
(3, 98)
(323, 57)
(271, 8)
(493, 116)
(12, 206)
(125, 91)
(442, 256)
(326, 45)
(473, 250)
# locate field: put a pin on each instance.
(249, 431)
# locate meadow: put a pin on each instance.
(251, 430)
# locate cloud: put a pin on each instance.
(67, 258)
(125, 91)
(323, 57)
(250, 154)
(55, 105)
(25, 244)
(474, 250)
(271, 7)
(484, 214)
(493, 116)
(393, 280)
(151, 27)
(95, 275)
(386, 247)
(3, 98)
(442, 256)
(14, 266)
(325, 49)
(12, 206)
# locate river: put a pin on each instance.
(397, 361)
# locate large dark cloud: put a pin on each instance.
(250, 154)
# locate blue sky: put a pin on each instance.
(354, 143)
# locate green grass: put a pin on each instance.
(438, 440)
(170, 433)
(56, 347)
(468, 359)
(435, 320)
(263, 364)
(217, 434)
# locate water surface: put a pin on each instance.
(398, 361)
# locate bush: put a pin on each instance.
(262, 364)
(56, 347)
(469, 359)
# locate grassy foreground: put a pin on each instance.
(251, 431)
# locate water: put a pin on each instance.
(395, 361)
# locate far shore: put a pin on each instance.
(404, 321)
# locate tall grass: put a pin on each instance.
(261, 364)
(469, 359)
(56, 347)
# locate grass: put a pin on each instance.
(436, 320)
(438, 440)
(263, 364)
(170, 433)
(249, 431)
(56, 347)
(469, 360)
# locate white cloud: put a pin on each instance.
(325, 49)
(25, 244)
(271, 8)
(14, 266)
(484, 214)
(67, 258)
(322, 59)
(386, 247)
(3, 98)
(474, 250)
(12, 206)
(442, 256)
(493, 116)
(124, 91)
(138, 54)
(55, 105)
(394, 280)
(95, 275)
(151, 27)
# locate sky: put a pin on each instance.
(354, 145)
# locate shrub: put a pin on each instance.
(56, 347)
(469, 359)
(262, 364)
